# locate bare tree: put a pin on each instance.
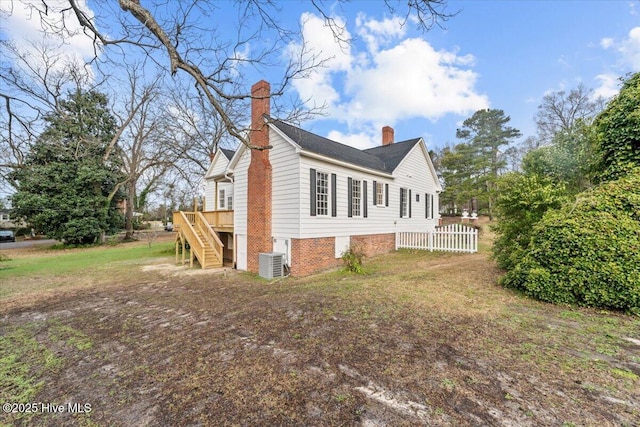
(560, 111)
(171, 33)
(198, 133)
(143, 149)
(33, 81)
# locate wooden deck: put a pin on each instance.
(201, 230)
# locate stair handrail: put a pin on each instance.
(187, 229)
(212, 237)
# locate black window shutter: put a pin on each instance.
(386, 194)
(350, 198)
(375, 193)
(401, 200)
(312, 191)
(409, 203)
(334, 196)
(432, 209)
(426, 205)
(364, 199)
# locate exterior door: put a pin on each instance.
(241, 252)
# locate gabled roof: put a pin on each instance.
(220, 153)
(228, 153)
(384, 158)
(391, 155)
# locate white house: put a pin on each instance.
(311, 198)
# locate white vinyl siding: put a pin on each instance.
(209, 195)
(413, 174)
(291, 196)
(286, 188)
(220, 165)
(213, 189)
(240, 188)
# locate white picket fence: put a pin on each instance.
(450, 238)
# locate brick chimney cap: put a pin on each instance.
(387, 135)
(262, 84)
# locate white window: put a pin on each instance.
(230, 203)
(221, 199)
(322, 193)
(379, 194)
(356, 195)
(404, 203)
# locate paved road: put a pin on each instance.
(26, 244)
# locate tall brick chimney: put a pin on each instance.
(259, 179)
(387, 135)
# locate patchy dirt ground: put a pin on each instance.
(422, 339)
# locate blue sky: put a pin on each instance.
(496, 54)
(492, 54)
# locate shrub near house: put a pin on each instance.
(588, 252)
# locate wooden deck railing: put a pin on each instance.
(219, 218)
(198, 229)
(182, 223)
(213, 240)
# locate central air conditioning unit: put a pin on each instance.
(271, 265)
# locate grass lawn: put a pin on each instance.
(420, 339)
(34, 269)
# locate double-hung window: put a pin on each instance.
(356, 196)
(221, 199)
(405, 203)
(379, 195)
(322, 193)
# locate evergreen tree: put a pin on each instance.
(480, 159)
(65, 189)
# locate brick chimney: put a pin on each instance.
(387, 135)
(259, 179)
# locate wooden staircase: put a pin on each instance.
(204, 243)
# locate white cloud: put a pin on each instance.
(412, 80)
(388, 80)
(26, 25)
(359, 140)
(608, 86)
(630, 49)
(320, 41)
(376, 33)
(606, 42)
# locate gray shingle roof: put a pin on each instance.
(383, 158)
(228, 153)
(391, 155)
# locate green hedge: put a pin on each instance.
(588, 252)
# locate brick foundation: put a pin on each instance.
(375, 244)
(312, 255)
